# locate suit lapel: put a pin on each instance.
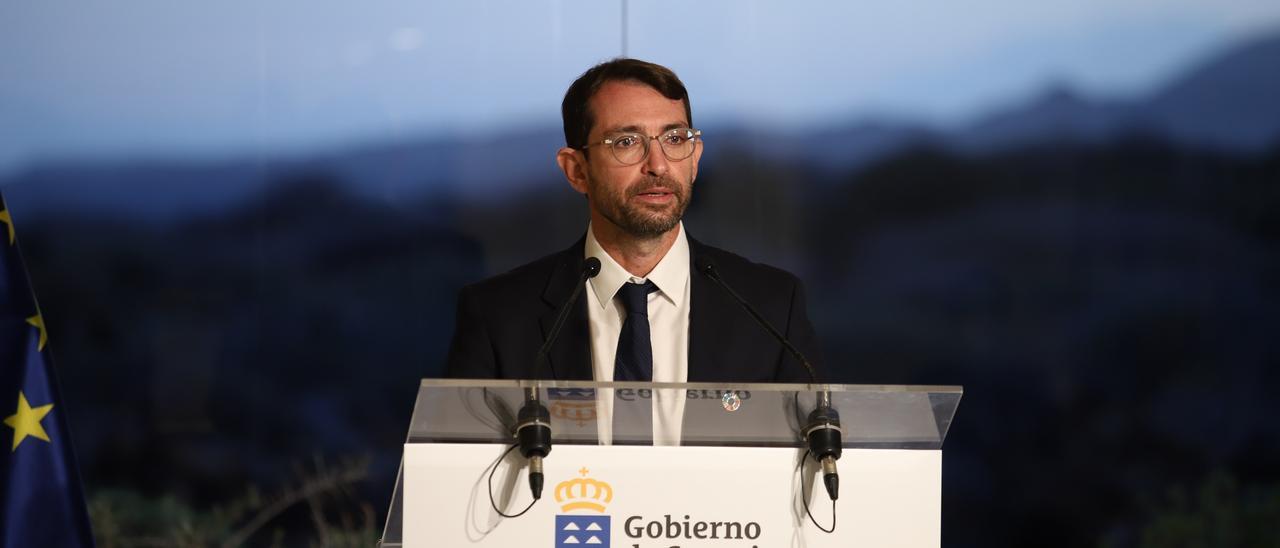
(703, 311)
(570, 356)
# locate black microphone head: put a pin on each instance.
(591, 267)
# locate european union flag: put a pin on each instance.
(41, 501)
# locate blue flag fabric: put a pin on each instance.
(41, 499)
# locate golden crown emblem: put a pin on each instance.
(583, 494)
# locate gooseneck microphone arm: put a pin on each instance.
(533, 424)
(590, 268)
(822, 432)
(709, 269)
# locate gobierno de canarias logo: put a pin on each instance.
(583, 521)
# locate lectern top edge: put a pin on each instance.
(950, 390)
(730, 414)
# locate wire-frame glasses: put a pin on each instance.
(632, 148)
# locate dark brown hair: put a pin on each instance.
(576, 110)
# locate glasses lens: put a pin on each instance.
(629, 148)
(677, 144)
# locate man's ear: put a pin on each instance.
(574, 166)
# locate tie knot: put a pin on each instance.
(635, 297)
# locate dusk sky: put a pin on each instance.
(159, 78)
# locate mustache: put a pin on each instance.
(649, 183)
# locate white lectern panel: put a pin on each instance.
(686, 497)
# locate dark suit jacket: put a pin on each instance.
(502, 321)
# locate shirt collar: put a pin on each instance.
(670, 275)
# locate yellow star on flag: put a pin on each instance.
(26, 422)
(8, 221)
(37, 321)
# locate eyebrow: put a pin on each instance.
(637, 129)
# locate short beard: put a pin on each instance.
(640, 222)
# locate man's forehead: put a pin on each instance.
(634, 106)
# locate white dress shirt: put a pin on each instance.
(668, 329)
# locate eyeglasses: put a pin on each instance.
(632, 148)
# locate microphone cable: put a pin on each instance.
(494, 468)
(804, 499)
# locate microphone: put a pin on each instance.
(590, 268)
(533, 434)
(533, 428)
(822, 432)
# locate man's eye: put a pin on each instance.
(626, 141)
(676, 139)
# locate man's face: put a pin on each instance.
(645, 200)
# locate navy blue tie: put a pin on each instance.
(634, 361)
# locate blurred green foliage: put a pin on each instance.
(124, 518)
(1219, 513)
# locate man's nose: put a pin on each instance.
(656, 163)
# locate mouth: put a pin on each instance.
(655, 192)
(655, 196)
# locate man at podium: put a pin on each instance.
(654, 312)
(637, 300)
